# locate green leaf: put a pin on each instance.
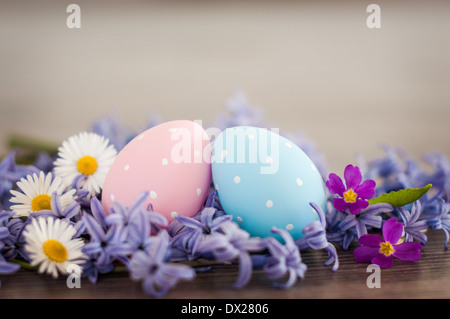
(401, 197)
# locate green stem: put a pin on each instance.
(201, 263)
(31, 144)
(24, 265)
(120, 269)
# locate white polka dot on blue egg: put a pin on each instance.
(265, 180)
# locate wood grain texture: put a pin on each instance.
(428, 278)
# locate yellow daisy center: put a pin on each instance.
(386, 248)
(87, 165)
(55, 250)
(350, 196)
(41, 202)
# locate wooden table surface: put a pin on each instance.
(429, 278)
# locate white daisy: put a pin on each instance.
(51, 245)
(86, 154)
(37, 194)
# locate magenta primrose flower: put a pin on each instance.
(382, 252)
(353, 194)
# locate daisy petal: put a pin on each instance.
(52, 234)
(95, 151)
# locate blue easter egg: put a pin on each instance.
(264, 180)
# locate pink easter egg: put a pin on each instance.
(171, 161)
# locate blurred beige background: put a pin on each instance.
(313, 66)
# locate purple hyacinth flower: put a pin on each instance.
(7, 267)
(440, 218)
(111, 128)
(240, 113)
(11, 242)
(107, 242)
(387, 166)
(284, 259)
(104, 245)
(315, 237)
(413, 226)
(354, 194)
(82, 196)
(189, 232)
(151, 266)
(10, 173)
(382, 252)
(44, 162)
(71, 213)
(138, 221)
(229, 243)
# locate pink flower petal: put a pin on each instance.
(340, 204)
(366, 190)
(370, 240)
(356, 207)
(392, 230)
(364, 254)
(408, 251)
(352, 176)
(383, 261)
(335, 184)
